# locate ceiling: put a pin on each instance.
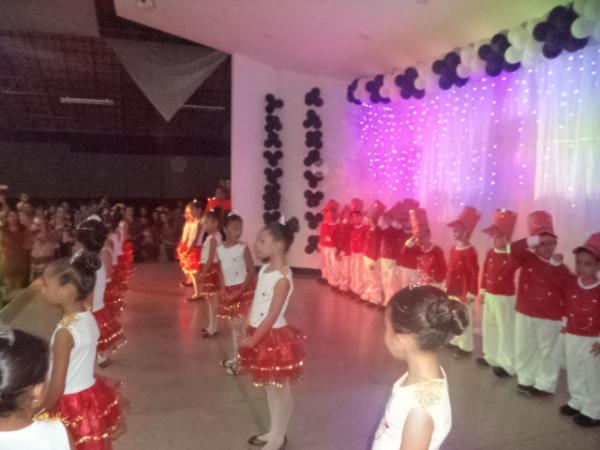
(39, 67)
(337, 38)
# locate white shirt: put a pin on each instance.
(40, 435)
(216, 238)
(432, 395)
(82, 360)
(99, 288)
(263, 297)
(233, 263)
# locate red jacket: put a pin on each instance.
(431, 264)
(463, 272)
(357, 238)
(405, 259)
(541, 284)
(329, 234)
(390, 243)
(344, 242)
(372, 243)
(582, 308)
(499, 271)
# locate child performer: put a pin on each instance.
(328, 243)
(582, 336)
(209, 277)
(540, 300)
(391, 242)
(271, 351)
(23, 370)
(372, 277)
(431, 265)
(462, 280)
(418, 322)
(238, 279)
(498, 294)
(357, 243)
(406, 269)
(188, 249)
(344, 249)
(87, 404)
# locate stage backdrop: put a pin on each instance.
(524, 141)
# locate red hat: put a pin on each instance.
(540, 222)
(418, 220)
(331, 205)
(356, 205)
(504, 222)
(346, 212)
(592, 245)
(410, 203)
(468, 218)
(375, 211)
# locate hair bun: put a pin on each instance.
(292, 225)
(87, 262)
(448, 315)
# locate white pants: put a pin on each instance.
(357, 273)
(465, 340)
(344, 272)
(329, 265)
(583, 375)
(537, 351)
(373, 292)
(498, 331)
(391, 278)
(407, 276)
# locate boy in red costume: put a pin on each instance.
(357, 244)
(328, 243)
(372, 292)
(344, 247)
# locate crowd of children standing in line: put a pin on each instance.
(528, 328)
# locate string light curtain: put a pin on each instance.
(523, 141)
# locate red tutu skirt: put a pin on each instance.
(112, 336)
(277, 358)
(210, 282)
(94, 416)
(238, 306)
(113, 300)
(190, 262)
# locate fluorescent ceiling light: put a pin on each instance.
(207, 107)
(87, 101)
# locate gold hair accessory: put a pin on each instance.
(75, 256)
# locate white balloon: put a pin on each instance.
(420, 83)
(517, 37)
(462, 70)
(579, 6)
(532, 46)
(386, 90)
(477, 65)
(582, 28)
(467, 54)
(513, 55)
(592, 10)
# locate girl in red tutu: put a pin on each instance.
(271, 351)
(209, 276)
(23, 370)
(188, 249)
(237, 282)
(88, 405)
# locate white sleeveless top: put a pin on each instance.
(263, 297)
(99, 288)
(82, 360)
(233, 263)
(206, 248)
(40, 435)
(432, 395)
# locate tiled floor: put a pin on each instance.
(182, 400)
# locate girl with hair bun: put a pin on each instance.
(190, 247)
(23, 370)
(271, 351)
(88, 405)
(418, 321)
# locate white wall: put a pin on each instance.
(251, 81)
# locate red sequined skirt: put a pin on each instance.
(237, 306)
(112, 336)
(94, 416)
(277, 358)
(189, 262)
(113, 300)
(210, 282)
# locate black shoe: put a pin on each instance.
(256, 441)
(500, 372)
(450, 346)
(585, 421)
(524, 390)
(483, 362)
(539, 393)
(461, 354)
(566, 410)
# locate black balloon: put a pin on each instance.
(500, 43)
(484, 51)
(556, 13)
(573, 44)
(556, 38)
(493, 70)
(564, 21)
(452, 60)
(419, 93)
(460, 82)
(411, 73)
(399, 80)
(445, 83)
(406, 93)
(550, 50)
(437, 67)
(511, 67)
(541, 30)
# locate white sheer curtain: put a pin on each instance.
(524, 141)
